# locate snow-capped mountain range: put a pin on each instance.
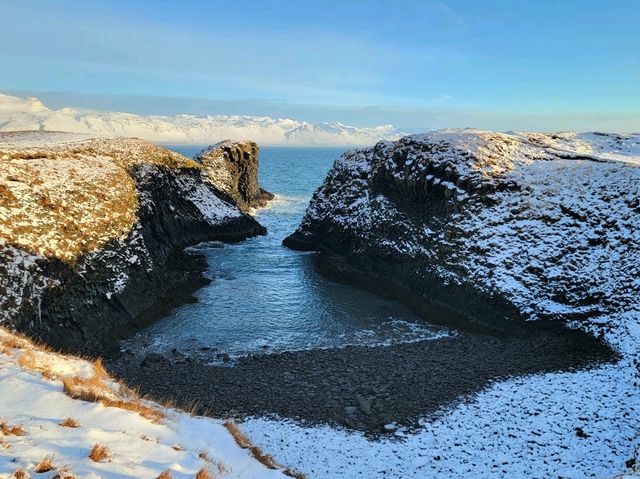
(28, 113)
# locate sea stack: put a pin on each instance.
(231, 167)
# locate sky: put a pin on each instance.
(497, 64)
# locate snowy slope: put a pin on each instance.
(30, 114)
(549, 223)
(138, 447)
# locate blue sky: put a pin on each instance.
(500, 64)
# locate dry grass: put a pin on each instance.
(266, 459)
(95, 390)
(165, 475)
(28, 360)
(50, 203)
(204, 473)
(99, 370)
(20, 474)
(241, 440)
(294, 474)
(100, 453)
(154, 415)
(13, 341)
(70, 422)
(263, 458)
(64, 473)
(90, 390)
(204, 455)
(45, 465)
(8, 430)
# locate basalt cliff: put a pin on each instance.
(231, 167)
(93, 231)
(489, 228)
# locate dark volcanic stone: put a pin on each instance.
(232, 168)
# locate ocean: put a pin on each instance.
(266, 298)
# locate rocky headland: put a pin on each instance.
(506, 237)
(93, 231)
(488, 228)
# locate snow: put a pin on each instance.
(79, 199)
(561, 211)
(139, 447)
(18, 113)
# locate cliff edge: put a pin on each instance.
(491, 227)
(92, 233)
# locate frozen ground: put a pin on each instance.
(556, 233)
(138, 447)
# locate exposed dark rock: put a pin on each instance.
(102, 295)
(232, 168)
(484, 228)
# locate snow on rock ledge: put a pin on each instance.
(92, 232)
(231, 167)
(492, 225)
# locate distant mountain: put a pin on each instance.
(18, 113)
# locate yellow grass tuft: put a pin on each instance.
(20, 474)
(70, 422)
(64, 473)
(12, 341)
(294, 474)
(96, 390)
(45, 465)
(263, 458)
(267, 460)
(165, 475)
(9, 430)
(29, 361)
(99, 370)
(241, 440)
(100, 453)
(204, 473)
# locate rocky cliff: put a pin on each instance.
(92, 233)
(232, 169)
(488, 227)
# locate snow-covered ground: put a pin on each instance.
(137, 447)
(17, 113)
(566, 204)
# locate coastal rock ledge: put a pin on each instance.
(93, 231)
(231, 167)
(488, 227)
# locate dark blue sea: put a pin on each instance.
(266, 298)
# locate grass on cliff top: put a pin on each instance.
(67, 200)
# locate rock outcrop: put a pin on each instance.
(487, 227)
(231, 167)
(93, 231)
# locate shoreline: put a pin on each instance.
(360, 387)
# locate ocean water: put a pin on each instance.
(265, 298)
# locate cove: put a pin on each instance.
(264, 297)
(305, 347)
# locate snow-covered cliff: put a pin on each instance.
(493, 226)
(92, 232)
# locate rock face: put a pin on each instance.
(92, 233)
(485, 226)
(231, 167)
